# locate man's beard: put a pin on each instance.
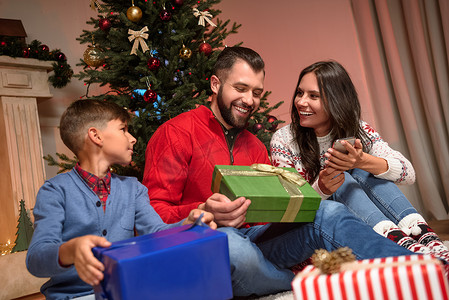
(226, 112)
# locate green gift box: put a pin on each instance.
(276, 194)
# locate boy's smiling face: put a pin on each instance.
(118, 143)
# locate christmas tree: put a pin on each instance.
(156, 58)
(24, 230)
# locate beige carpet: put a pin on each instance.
(289, 295)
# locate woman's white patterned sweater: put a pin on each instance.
(285, 153)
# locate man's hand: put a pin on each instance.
(330, 180)
(207, 219)
(78, 251)
(226, 212)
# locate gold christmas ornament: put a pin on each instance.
(92, 56)
(185, 53)
(134, 14)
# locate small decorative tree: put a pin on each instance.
(24, 230)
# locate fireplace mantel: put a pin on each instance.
(22, 82)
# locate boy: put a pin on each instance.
(89, 206)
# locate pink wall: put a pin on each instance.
(291, 35)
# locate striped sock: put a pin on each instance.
(400, 238)
(415, 225)
(430, 239)
(391, 231)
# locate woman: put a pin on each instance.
(326, 108)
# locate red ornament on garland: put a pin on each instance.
(104, 24)
(178, 2)
(44, 48)
(26, 52)
(153, 64)
(150, 96)
(271, 120)
(205, 48)
(257, 127)
(165, 15)
(59, 56)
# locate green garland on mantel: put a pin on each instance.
(15, 47)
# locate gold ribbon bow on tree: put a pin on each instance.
(94, 4)
(138, 37)
(204, 15)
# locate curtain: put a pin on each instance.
(405, 53)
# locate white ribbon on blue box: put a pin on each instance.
(187, 262)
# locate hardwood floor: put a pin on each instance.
(441, 228)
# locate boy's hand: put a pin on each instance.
(207, 218)
(78, 251)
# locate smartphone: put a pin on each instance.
(339, 146)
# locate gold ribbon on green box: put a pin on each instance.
(290, 181)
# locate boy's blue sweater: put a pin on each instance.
(67, 208)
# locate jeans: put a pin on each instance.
(263, 268)
(372, 199)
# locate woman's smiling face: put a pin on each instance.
(310, 105)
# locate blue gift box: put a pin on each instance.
(187, 262)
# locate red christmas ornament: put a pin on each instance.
(44, 48)
(257, 127)
(59, 56)
(271, 119)
(104, 24)
(153, 64)
(26, 52)
(205, 48)
(165, 15)
(150, 96)
(178, 2)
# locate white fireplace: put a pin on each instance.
(23, 81)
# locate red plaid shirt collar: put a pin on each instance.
(100, 186)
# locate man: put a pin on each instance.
(180, 158)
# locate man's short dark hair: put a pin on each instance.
(230, 55)
(83, 114)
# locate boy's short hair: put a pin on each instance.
(230, 55)
(83, 114)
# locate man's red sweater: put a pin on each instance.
(180, 160)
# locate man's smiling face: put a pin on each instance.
(238, 95)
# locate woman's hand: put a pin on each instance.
(343, 162)
(355, 158)
(330, 180)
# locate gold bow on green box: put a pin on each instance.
(276, 194)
